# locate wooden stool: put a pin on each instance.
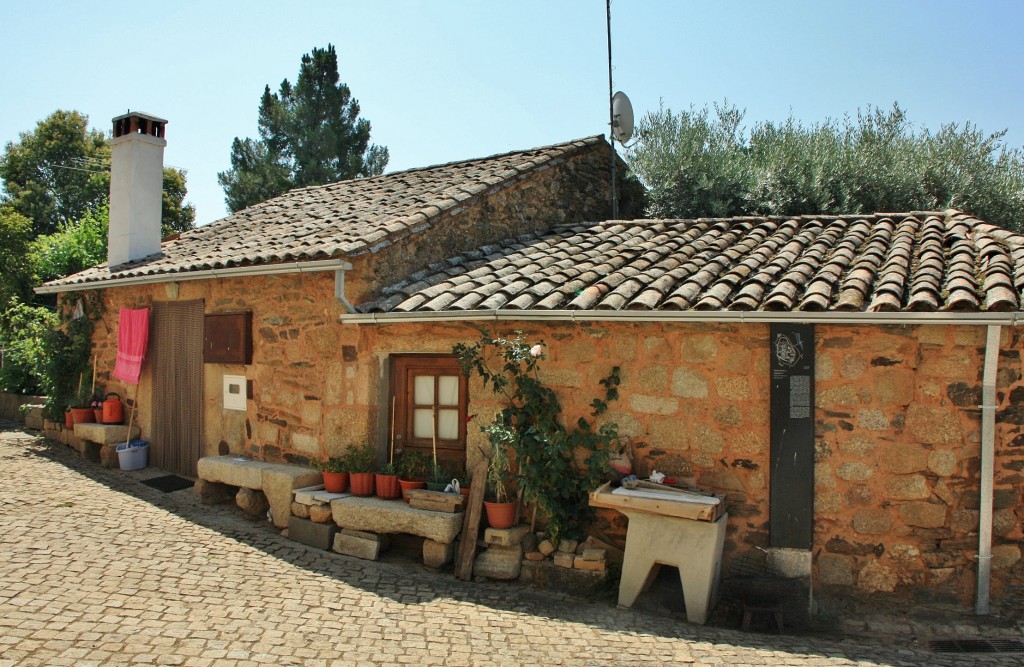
(761, 607)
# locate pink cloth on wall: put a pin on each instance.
(132, 338)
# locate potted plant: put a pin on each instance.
(81, 409)
(387, 482)
(335, 474)
(412, 472)
(438, 477)
(464, 481)
(361, 465)
(499, 505)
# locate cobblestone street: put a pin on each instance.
(97, 569)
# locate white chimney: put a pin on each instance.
(136, 187)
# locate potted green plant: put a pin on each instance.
(387, 482)
(81, 409)
(362, 461)
(412, 472)
(499, 505)
(335, 474)
(438, 477)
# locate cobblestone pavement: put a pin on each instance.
(97, 569)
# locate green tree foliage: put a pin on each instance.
(310, 134)
(16, 275)
(705, 163)
(74, 247)
(23, 329)
(58, 172)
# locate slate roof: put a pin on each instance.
(918, 261)
(339, 220)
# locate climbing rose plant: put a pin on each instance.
(555, 466)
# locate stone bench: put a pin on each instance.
(99, 441)
(374, 515)
(275, 480)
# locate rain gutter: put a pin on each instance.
(681, 316)
(337, 265)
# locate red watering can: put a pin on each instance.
(113, 411)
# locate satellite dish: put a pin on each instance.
(622, 117)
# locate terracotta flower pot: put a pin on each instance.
(335, 482)
(69, 421)
(361, 483)
(408, 485)
(388, 487)
(97, 415)
(500, 515)
(82, 415)
(464, 490)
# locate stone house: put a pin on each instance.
(851, 383)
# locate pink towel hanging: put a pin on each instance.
(132, 337)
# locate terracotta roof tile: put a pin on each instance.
(918, 261)
(338, 220)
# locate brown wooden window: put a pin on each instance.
(431, 398)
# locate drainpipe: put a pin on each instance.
(988, 434)
(339, 291)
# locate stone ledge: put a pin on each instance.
(276, 480)
(389, 516)
(105, 434)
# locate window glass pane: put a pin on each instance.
(423, 390)
(422, 424)
(448, 424)
(448, 390)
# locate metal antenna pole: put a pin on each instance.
(611, 115)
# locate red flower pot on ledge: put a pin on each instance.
(409, 485)
(361, 483)
(500, 515)
(388, 487)
(335, 482)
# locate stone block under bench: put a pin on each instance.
(99, 441)
(276, 480)
(319, 535)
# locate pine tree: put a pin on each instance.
(310, 134)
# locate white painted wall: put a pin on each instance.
(136, 188)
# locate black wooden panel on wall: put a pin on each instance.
(792, 446)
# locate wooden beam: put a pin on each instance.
(471, 525)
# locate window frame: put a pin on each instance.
(404, 368)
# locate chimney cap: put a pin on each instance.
(139, 114)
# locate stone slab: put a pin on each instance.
(544, 574)
(590, 565)
(319, 535)
(105, 434)
(276, 480)
(389, 516)
(497, 562)
(506, 537)
(354, 545)
(304, 496)
(314, 495)
(34, 417)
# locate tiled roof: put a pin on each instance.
(338, 220)
(919, 261)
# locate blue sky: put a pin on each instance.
(446, 80)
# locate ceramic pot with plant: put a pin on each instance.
(387, 482)
(362, 461)
(412, 472)
(438, 477)
(335, 474)
(501, 509)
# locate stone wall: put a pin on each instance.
(897, 436)
(11, 405)
(898, 460)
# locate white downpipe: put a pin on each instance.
(182, 276)
(988, 434)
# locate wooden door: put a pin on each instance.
(177, 349)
